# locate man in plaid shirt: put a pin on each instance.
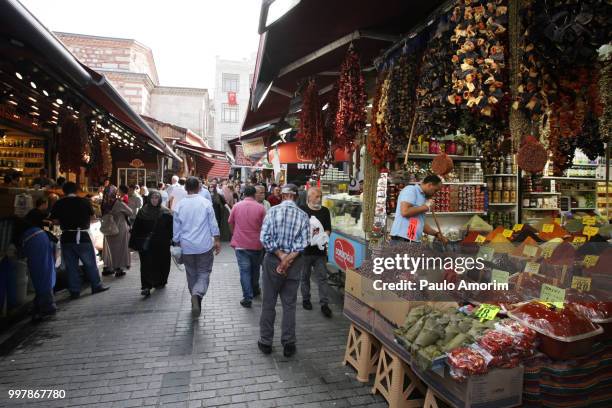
(284, 235)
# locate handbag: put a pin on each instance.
(108, 226)
(177, 254)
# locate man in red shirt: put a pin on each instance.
(275, 198)
(246, 220)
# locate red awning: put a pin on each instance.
(210, 167)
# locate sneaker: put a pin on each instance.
(307, 305)
(196, 308)
(289, 350)
(99, 289)
(246, 303)
(326, 311)
(145, 292)
(119, 273)
(265, 348)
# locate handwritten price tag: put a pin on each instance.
(590, 231)
(507, 233)
(530, 250)
(487, 312)
(547, 251)
(589, 220)
(486, 253)
(553, 294)
(548, 228)
(532, 267)
(480, 239)
(499, 276)
(517, 227)
(579, 240)
(590, 261)
(581, 283)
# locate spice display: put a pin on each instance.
(311, 139)
(552, 321)
(69, 147)
(466, 361)
(532, 156)
(479, 83)
(351, 114)
(401, 98)
(379, 142)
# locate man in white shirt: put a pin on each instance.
(196, 231)
(177, 194)
(175, 182)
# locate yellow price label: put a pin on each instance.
(547, 251)
(579, 240)
(517, 227)
(553, 294)
(590, 260)
(590, 231)
(558, 221)
(480, 239)
(530, 250)
(589, 220)
(487, 312)
(548, 228)
(581, 283)
(507, 233)
(532, 267)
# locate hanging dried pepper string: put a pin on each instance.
(311, 140)
(378, 144)
(351, 115)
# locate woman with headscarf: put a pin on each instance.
(152, 237)
(109, 195)
(116, 254)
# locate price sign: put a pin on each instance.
(517, 227)
(579, 240)
(589, 220)
(590, 261)
(507, 233)
(480, 239)
(499, 276)
(548, 228)
(532, 267)
(547, 251)
(486, 253)
(530, 250)
(487, 312)
(553, 294)
(590, 231)
(558, 221)
(581, 283)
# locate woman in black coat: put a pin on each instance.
(152, 237)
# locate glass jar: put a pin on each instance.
(506, 196)
(451, 147)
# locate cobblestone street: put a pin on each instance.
(117, 350)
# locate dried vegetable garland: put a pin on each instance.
(311, 140)
(107, 158)
(479, 82)
(532, 156)
(351, 115)
(435, 116)
(442, 164)
(69, 146)
(378, 142)
(605, 88)
(401, 98)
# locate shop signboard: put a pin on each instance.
(231, 98)
(253, 147)
(345, 252)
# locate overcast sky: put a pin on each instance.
(185, 35)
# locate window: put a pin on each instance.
(231, 82)
(229, 113)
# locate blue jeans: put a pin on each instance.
(72, 252)
(249, 263)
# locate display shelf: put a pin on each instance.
(571, 178)
(458, 183)
(427, 156)
(459, 213)
(500, 175)
(502, 204)
(582, 208)
(540, 193)
(540, 209)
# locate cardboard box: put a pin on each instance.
(352, 283)
(358, 312)
(499, 388)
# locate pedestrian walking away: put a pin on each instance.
(74, 214)
(115, 252)
(152, 236)
(195, 229)
(246, 219)
(284, 235)
(315, 255)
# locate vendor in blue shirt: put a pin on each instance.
(413, 203)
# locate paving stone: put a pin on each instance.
(117, 350)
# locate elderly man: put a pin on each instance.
(196, 231)
(246, 219)
(284, 235)
(314, 256)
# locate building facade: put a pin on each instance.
(232, 85)
(130, 68)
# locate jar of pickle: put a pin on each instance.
(506, 196)
(507, 183)
(496, 196)
(499, 183)
(512, 196)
